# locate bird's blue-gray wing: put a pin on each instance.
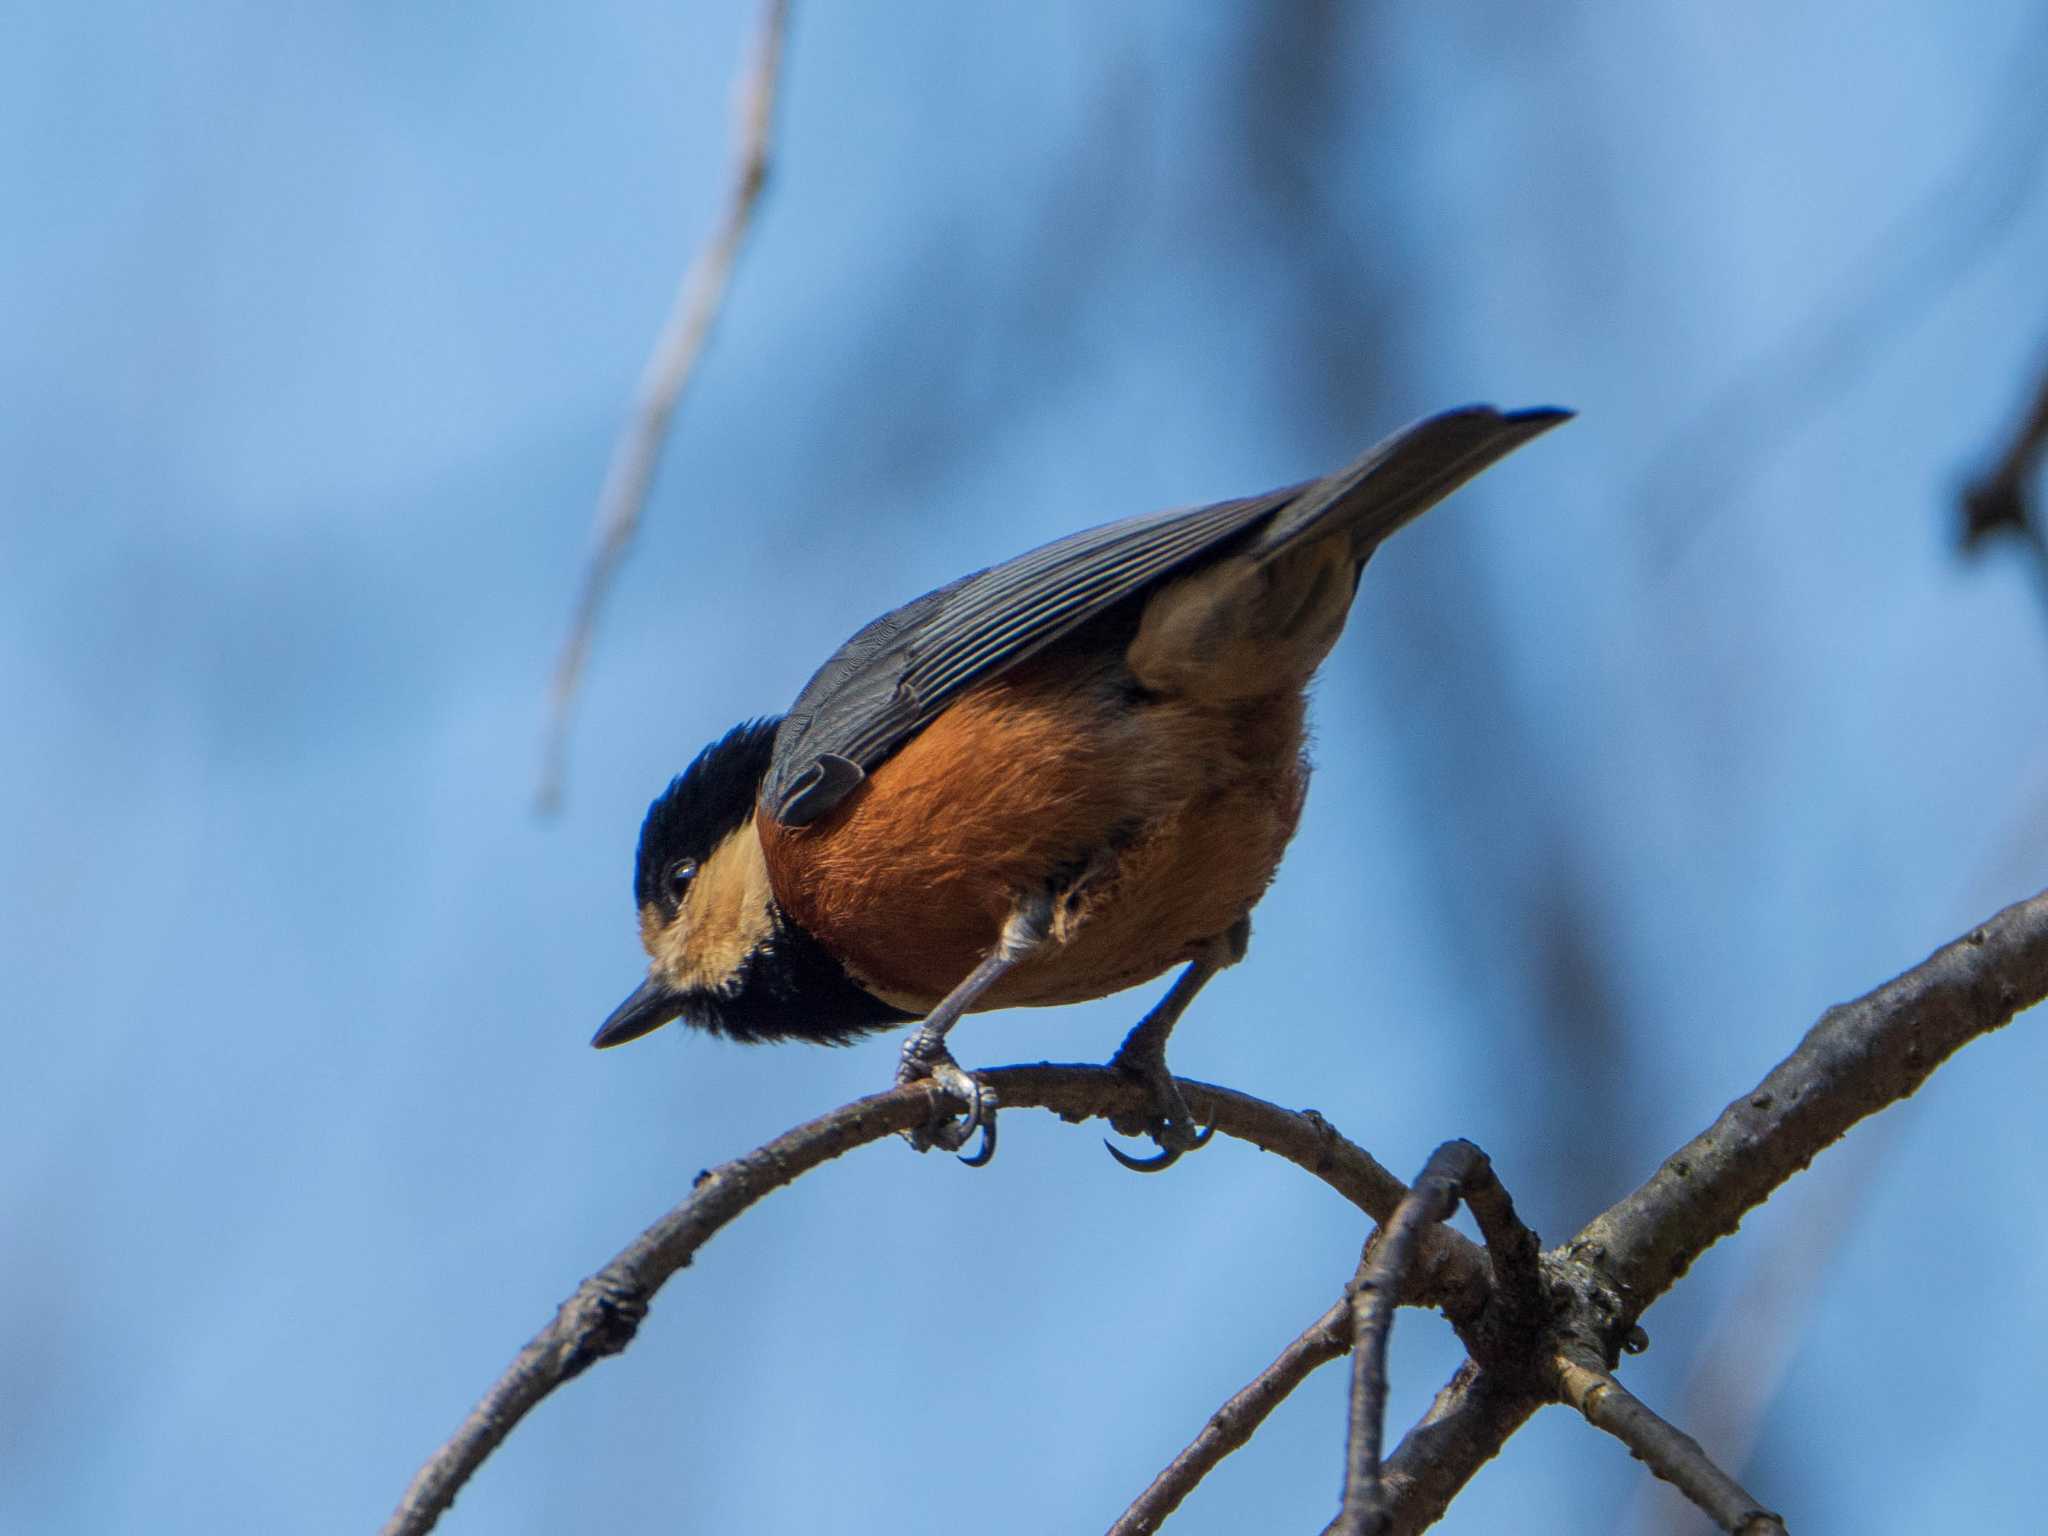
(893, 678)
(889, 681)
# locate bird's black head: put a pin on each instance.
(702, 807)
(722, 955)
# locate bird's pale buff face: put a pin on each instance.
(725, 915)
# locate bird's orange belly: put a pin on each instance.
(1161, 820)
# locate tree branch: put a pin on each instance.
(1515, 1304)
(1667, 1451)
(1456, 1170)
(1515, 1296)
(1432, 1198)
(692, 314)
(1860, 1058)
(1466, 1426)
(603, 1315)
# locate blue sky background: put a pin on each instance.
(1688, 721)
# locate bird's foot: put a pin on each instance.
(1171, 1125)
(933, 1063)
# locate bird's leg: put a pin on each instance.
(925, 1055)
(1143, 1055)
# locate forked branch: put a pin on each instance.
(1456, 1171)
(1860, 1058)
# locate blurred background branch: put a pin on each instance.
(2004, 502)
(699, 298)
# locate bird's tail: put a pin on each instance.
(1399, 479)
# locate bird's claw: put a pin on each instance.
(1171, 1148)
(1171, 1125)
(952, 1132)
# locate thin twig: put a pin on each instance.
(1432, 1198)
(1377, 1292)
(1667, 1451)
(603, 1315)
(1860, 1058)
(692, 314)
(1512, 1250)
(1230, 1426)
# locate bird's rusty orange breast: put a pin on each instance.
(1173, 814)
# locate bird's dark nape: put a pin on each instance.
(705, 804)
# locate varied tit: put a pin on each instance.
(1046, 782)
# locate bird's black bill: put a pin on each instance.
(651, 1006)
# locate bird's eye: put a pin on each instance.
(680, 874)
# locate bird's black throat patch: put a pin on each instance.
(791, 988)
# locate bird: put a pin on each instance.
(1045, 782)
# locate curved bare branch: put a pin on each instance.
(1861, 1057)
(603, 1315)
